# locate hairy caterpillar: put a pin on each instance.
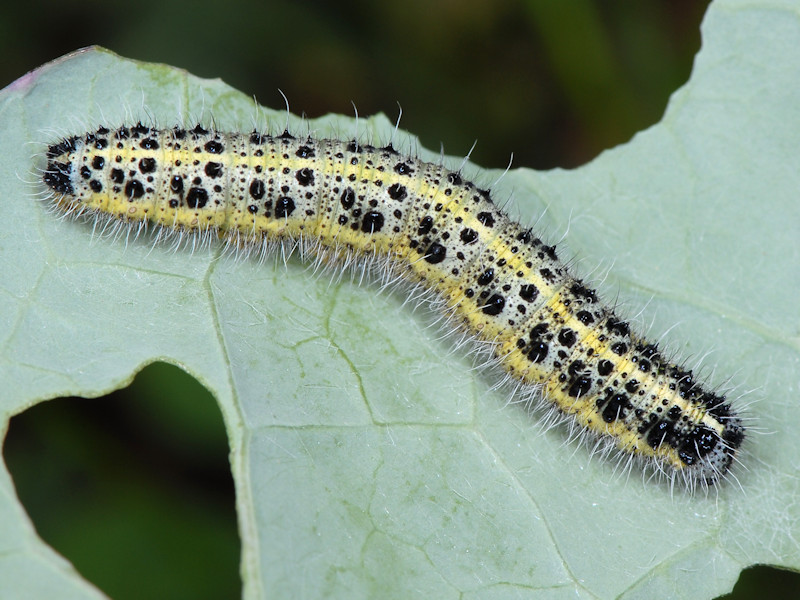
(495, 279)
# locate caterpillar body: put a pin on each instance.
(494, 278)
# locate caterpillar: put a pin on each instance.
(494, 279)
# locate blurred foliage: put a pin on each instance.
(552, 83)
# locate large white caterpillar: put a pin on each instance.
(496, 279)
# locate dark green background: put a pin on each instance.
(134, 488)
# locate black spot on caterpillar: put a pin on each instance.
(494, 278)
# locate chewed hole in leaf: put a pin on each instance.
(753, 583)
(133, 488)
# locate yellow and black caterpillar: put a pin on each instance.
(495, 278)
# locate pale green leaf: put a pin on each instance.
(369, 459)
